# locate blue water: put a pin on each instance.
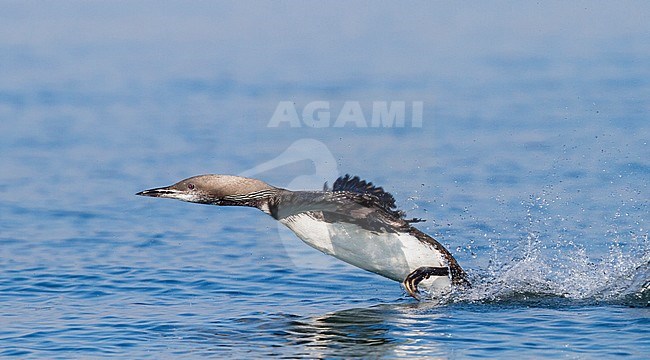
(531, 166)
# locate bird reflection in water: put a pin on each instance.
(383, 330)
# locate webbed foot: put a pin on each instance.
(418, 275)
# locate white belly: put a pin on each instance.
(393, 255)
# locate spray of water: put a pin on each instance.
(545, 268)
(530, 274)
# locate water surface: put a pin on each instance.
(531, 166)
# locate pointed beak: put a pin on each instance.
(171, 193)
(159, 192)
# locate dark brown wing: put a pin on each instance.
(374, 196)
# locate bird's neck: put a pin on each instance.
(262, 199)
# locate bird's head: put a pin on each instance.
(213, 189)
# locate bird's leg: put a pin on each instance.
(422, 273)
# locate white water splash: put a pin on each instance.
(551, 264)
(534, 272)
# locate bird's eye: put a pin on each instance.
(190, 186)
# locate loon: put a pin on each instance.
(353, 221)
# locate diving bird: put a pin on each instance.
(353, 221)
